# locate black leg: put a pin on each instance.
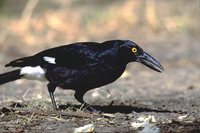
(79, 97)
(51, 89)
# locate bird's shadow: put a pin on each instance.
(110, 108)
(117, 109)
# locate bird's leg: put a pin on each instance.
(51, 89)
(79, 97)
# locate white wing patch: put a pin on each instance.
(50, 60)
(33, 73)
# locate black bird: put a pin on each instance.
(80, 66)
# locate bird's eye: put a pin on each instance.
(134, 50)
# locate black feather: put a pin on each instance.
(22, 62)
(10, 76)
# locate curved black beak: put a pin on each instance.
(150, 62)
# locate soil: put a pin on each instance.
(171, 97)
(155, 102)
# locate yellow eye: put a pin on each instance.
(134, 50)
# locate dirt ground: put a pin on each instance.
(141, 100)
(172, 98)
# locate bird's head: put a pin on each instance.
(131, 52)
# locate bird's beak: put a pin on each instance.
(150, 62)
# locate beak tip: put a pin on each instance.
(162, 69)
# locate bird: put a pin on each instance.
(80, 66)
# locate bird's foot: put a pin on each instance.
(90, 109)
(93, 110)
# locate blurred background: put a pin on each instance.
(168, 30)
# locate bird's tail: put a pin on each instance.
(10, 76)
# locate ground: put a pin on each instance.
(171, 97)
(153, 102)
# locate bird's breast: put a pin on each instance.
(86, 78)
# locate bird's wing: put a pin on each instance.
(70, 56)
(77, 56)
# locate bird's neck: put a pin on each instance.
(111, 57)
